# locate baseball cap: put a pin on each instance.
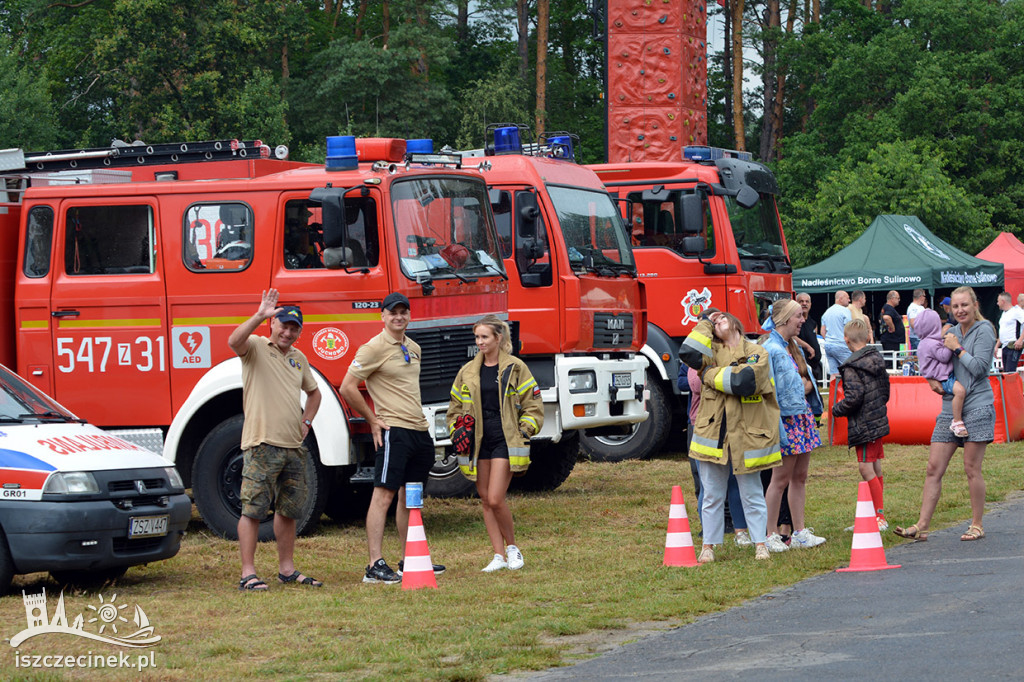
(393, 299)
(290, 313)
(946, 301)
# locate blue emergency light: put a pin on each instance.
(341, 153)
(700, 153)
(506, 141)
(561, 147)
(421, 146)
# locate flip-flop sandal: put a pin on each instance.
(911, 533)
(972, 533)
(252, 583)
(294, 578)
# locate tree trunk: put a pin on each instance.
(739, 133)
(543, 8)
(770, 23)
(727, 62)
(462, 21)
(780, 96)
(523, 18)
(360, 15)
(386, 20)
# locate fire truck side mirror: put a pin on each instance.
(747, 197)
(332, 203)
(690, 209)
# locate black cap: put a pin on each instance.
(393, 299)
(290, 313)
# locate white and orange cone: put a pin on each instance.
(866, 553)
(418, 570)
(678, 542)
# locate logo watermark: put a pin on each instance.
(106, 621)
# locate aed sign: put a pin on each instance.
(190, 347)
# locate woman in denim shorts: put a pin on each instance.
(973, 342)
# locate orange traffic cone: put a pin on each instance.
(418, 570)
(866, 553)
(678, 542)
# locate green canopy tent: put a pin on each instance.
(897, 252)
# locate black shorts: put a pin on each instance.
(406, 456)
(493, 444)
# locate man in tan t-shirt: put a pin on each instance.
(274, 468)
(389, 364)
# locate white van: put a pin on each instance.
(76, 501)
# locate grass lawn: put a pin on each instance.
(593, 551)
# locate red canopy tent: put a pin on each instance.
(1009, 251)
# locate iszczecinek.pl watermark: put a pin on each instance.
(122, 659)
(99, 622)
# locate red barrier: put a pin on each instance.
(913, 406)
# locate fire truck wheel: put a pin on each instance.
(447, 481)
(6, 565)
(550, 464)
(639, 441)
(87, 578)
(217, 484)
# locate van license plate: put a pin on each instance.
(147, 526)
(622, 380)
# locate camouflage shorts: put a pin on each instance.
(274, 475)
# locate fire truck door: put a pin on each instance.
(108, 313)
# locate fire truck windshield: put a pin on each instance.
(758, 235)
(444, 229)
(594, 234)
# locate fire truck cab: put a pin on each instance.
(127, 269)
(705, 232)
(573, 286)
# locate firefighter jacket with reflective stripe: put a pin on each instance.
(738, 417)
(522, 411)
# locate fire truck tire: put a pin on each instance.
(642, 440)
(550, 464)
(6, 565)
(87, 578)
(447, 481)
(217, 483)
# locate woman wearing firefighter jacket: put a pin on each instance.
(495, 408)
(737, 424)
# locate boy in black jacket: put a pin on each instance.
(866, 392)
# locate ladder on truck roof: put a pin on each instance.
(138, 154)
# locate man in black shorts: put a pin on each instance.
(389, 364)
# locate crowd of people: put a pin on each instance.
(732, 404)
(754, 418)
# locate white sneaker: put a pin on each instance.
(774, 543)
(806, 538)
(497, 563)
(743, 539)
(761, 553)
(515, 558)
(883, 525)
(707, 555)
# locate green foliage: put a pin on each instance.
(26, 114)
(895, 177)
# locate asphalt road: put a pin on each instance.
(954, 611)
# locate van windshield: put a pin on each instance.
(594, 234)
(444, 228)
(21, 401)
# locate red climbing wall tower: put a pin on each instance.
(657, 78)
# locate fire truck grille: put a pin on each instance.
(445, 350)
(612, 330)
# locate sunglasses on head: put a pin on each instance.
(405, 351)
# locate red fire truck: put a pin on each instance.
(125, 270)
(573, 286)
(706, 232)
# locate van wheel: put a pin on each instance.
(637, 441)
(6, 565)
(446, 480)
(87, 578)
(217, 484)
(550, 464)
